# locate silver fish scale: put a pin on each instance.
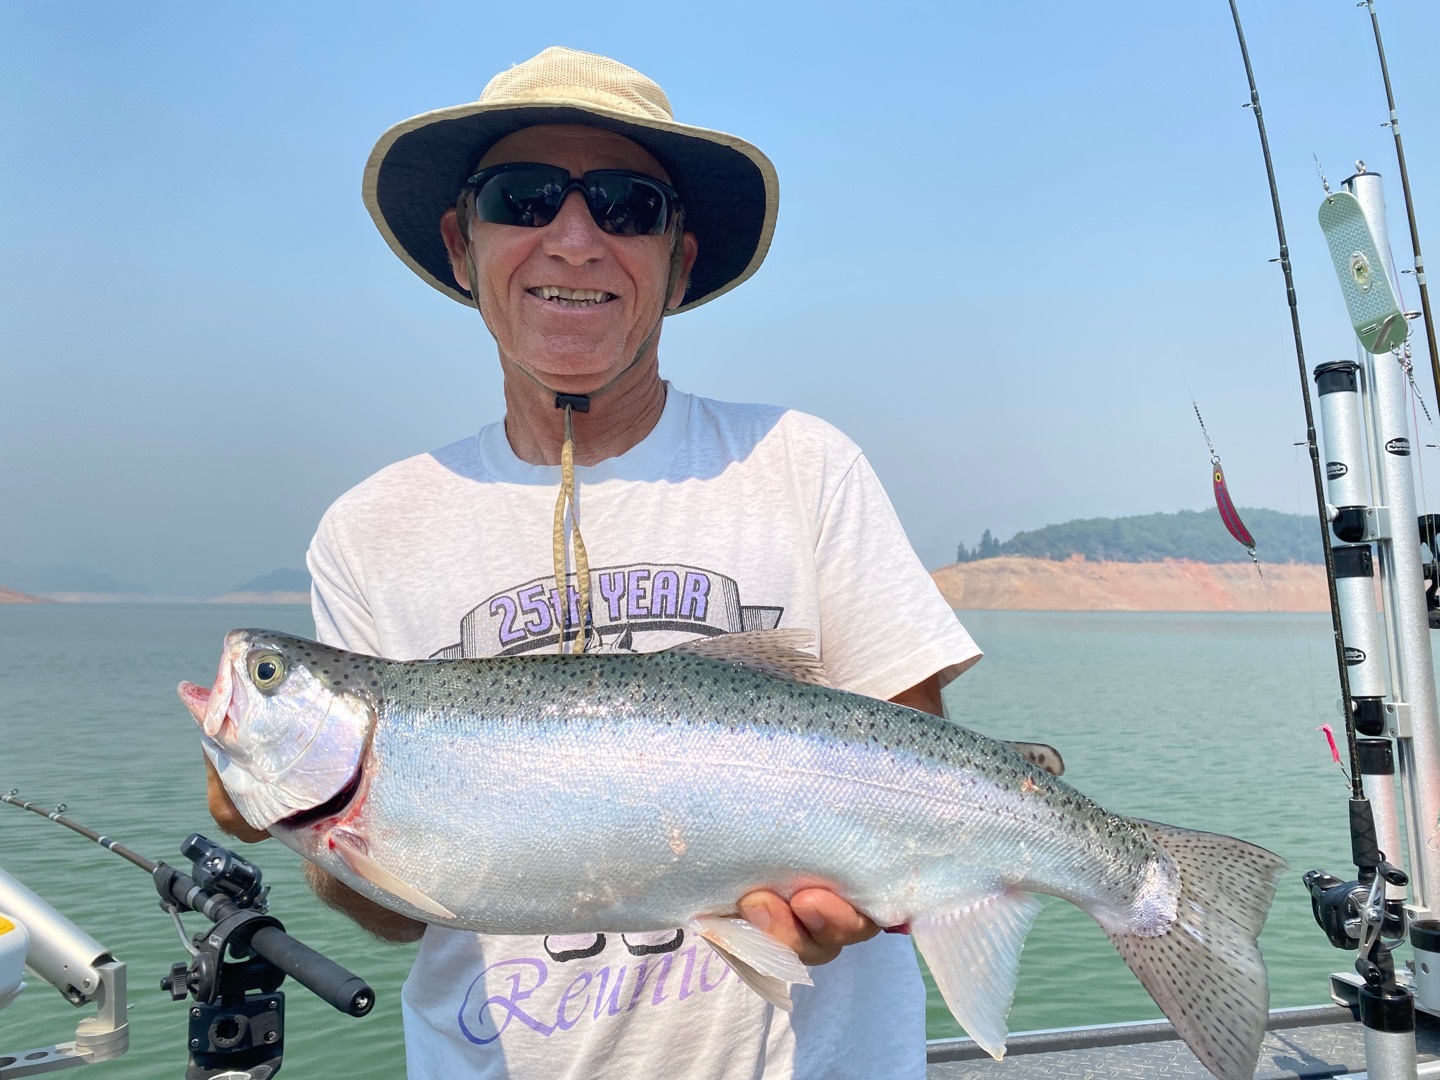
(633, 792)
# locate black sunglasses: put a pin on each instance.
(524, 193)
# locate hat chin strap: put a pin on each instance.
(572, 403)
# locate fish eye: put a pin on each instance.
(267, 671)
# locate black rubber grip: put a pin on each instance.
(320, 975)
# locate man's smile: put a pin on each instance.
(564, 297)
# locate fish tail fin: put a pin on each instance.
(1206, 972)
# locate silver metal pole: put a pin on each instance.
(82, 970)
(60, 952)
(1412, 713)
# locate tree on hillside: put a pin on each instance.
(1188, 534)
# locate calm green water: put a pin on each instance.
(1201, 720)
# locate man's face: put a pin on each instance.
(571, 341)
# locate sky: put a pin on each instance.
(1015, 241)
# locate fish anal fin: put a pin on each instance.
(354, 851)
(778, 653)
(761, 963)
(1042, 755)
(974, 955)
(1205, 971)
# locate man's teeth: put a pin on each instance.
(572, 297)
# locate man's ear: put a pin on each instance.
(689, 248)
(457, 245)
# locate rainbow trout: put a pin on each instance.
(662, 787)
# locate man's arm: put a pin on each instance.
(817, 923)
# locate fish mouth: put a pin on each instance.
(213, 707)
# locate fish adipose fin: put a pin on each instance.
(352, 848)
(778, 653)
(762, 963)
(1041, 755)
(1206, 972)
(974, 954)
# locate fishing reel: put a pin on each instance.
(237, 1021)
(1356, 916)
(220, 869)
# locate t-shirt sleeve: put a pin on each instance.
(337, 600)
(885, 626)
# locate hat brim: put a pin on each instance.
(729, 188)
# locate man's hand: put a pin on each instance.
(816, 923)
(223, 810)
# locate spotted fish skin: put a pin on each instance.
(635, 792)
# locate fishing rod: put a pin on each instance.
(1357, 790)
(1394, 125)
(236, 1026)
(1354, 914)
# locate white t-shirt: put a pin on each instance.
(725, 517)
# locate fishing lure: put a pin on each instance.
(1228, 514)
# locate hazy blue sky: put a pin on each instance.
(1014, 240)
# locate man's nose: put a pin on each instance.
(573, 234)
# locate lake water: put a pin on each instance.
(1206, 721)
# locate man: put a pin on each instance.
(575, 214)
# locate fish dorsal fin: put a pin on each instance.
(760, 962)
(779, 653)
(974, 954)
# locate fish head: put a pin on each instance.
(286, 724)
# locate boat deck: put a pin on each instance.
(1321, 1041)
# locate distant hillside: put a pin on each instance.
(1194, 535)
(10, 596)
(1011, 583)
(276, 581)
(276, 587)
(67, 578)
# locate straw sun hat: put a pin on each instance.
(728, 187)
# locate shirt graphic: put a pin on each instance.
(637, 607)
(578, 980)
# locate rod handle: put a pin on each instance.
(322, 976)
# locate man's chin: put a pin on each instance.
(578, 374)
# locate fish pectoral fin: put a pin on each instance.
(761, 963)
(974, 954)
(1040, 754)
(778, 653)
(355, 852)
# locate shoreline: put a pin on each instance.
(1010, 583)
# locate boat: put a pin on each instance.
(1382, 1019)
(1323, 1040)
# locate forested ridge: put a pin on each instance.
(1198, 535)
